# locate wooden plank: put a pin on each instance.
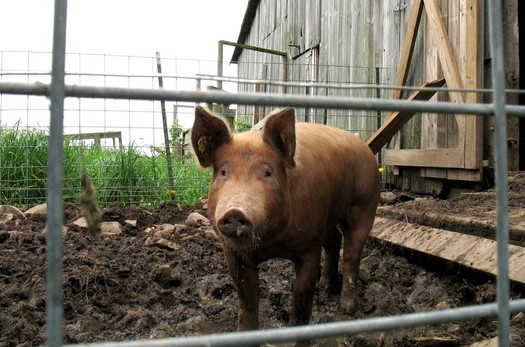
(412, 27)
(453, 127)
(432, 71)
(474, 79)
(433, 172)
(445, 51)
(452, 174)
(397, 119)
(512, 70)
(408, 47)
(257, 109)
(470, 251)
(433, 157)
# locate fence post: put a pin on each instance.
(55, 211)
(501, 173)
(165, 127)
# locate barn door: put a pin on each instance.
(450, 147)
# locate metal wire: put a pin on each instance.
(316, 85)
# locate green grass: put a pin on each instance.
(124, 175)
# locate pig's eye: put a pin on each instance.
(266, 171)
(222, 171)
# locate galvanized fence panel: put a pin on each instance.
(58, 91)
(133, 126)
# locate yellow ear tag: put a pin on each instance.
(202, 144)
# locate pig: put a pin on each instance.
(288, 190)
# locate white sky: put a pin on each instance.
(176, 28)
(182, 29)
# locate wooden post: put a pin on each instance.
(165, 127)
(445, 52)
(408, 47)
(257, 108)
(396, 121)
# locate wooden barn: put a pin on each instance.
(358, 48)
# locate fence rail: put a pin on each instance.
(268, 99)
(57, 91)
(324, 330)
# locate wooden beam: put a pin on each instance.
(406, 54)
(433, 157)
(511, 53)
(474, 50)
(408, 47)
(445, 51)
(452, 174)
(395, 122)
(474, 79)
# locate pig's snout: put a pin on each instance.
(234, 223)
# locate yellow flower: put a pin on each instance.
(171, 192)
(381, 169)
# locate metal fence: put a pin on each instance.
(95, 129)
(99, 132)
(57, 90)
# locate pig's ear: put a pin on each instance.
(208, 133)
(279, 132)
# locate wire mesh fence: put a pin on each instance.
(121, 144)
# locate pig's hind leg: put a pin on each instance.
(356, 227)
(332, 249)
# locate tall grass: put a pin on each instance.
(124, 175)
(23, 164)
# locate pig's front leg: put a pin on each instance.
(246, 279)
(306, 272)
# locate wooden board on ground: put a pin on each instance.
(467, 250)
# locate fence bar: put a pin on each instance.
(55, 173)
(311, 332)
(266, 99)
(501, 167)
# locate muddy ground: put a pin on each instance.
(144, 283)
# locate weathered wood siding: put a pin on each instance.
(332, 41)
(352, 42)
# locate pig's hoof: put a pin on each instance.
(349, 307)
(348, 304)
(331, 287)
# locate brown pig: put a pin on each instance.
(281, 192)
